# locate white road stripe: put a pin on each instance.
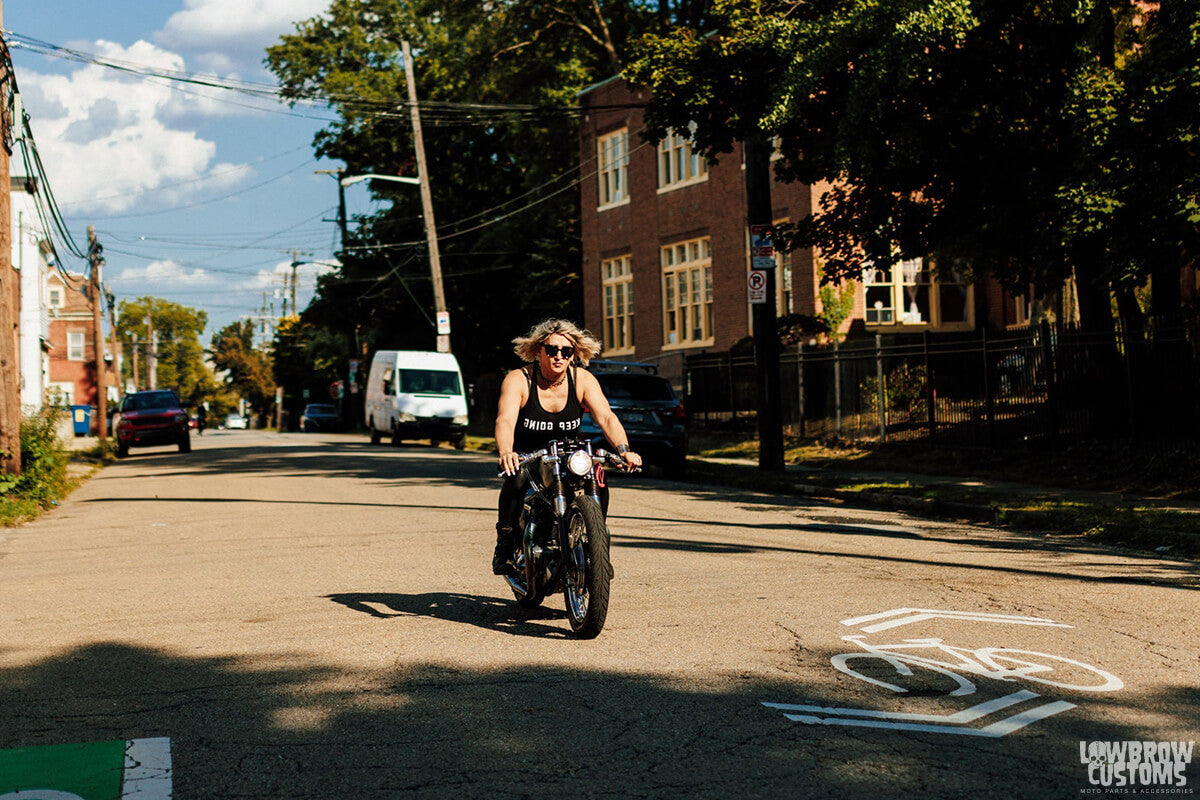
(147, 769)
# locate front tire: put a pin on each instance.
(588, 569)
(185, 444)
(122, 450)
(376, 436)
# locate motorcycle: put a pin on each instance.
(562, 538)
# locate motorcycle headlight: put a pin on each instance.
(580, 463)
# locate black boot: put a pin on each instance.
(503, 549)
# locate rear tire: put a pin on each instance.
(588, 569)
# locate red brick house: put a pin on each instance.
(666, 252)
(72, 376)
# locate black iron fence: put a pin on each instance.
(1043, 385)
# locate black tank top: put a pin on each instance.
(536, 426)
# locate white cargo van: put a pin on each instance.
(413, 394)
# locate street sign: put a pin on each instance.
(443, 323)
(762, 251)
(756, 286)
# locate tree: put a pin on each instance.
(248, 371)
(1010, 138)
(497, 84)
(180, 363)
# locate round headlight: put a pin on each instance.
(580, 463)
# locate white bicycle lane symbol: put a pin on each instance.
(999, 663)
(880, 664)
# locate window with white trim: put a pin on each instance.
(908, 293)
(55, 297)
(617, 276)
(612, 165)
(75, 346)
(687, 293)
(677, 164)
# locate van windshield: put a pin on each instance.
(428, 381)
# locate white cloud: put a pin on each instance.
(234, 31)
(167, 271)
(107, 139)
(280, 276)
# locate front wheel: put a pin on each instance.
(185, 445)
(588, 569)
(376, 436)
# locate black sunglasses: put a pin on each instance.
(567, 351)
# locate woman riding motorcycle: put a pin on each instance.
(545, 400)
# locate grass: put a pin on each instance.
(17, 508)
(1075, 492)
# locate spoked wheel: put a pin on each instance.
(516, 581)
(588, 569)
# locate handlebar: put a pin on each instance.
(599, 456)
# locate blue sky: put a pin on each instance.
(196, 197)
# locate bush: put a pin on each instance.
(43, 462)
(904, 389)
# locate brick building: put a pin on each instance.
(666, 251)
(72, 378)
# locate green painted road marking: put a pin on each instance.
(119, 770)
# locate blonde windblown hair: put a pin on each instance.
(587, 346)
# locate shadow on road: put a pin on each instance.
(470, 609)
(290, 726)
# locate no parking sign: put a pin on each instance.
(756, 286)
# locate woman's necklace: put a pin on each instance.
(542, 380)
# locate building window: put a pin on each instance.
(687, 293)
(75, 346)
(907, 293)
(612, 156)
(677, 164)
(617, 275)
(56, 297)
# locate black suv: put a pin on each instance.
(648, 409)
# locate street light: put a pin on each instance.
(435, 263)
(350, 180)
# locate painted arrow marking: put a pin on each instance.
(930, 723)
(905, 616)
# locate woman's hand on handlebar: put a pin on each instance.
(509, 462)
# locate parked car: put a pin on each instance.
(235, 421)
(650, 412)
(319, 417)
(154, 417)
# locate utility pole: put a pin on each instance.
(112, 331)
(135, 362)
(10, 386)
(435, 261)
(295, 265)
(151, 339)
(341, 217)
(97, 260)
(766, 338)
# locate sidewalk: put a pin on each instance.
(1164, 525)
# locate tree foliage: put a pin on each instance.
(180, 365)
(247, 370)
(497, 84)
(1032, 140)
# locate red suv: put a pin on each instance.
(150, 418)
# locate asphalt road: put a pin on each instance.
(314, 617)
